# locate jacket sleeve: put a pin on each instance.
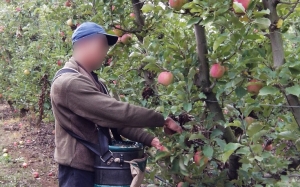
(83, 98)
(137, 135)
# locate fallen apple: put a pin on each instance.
(24, 165)
(59, 62)
(254, 86)
(70, 22)
(176, 4)
(198, 157)
(125, 39)
(15, 143)
(51, 173)
(68, 3)
(165, 78)
(35, 174)
(5, 155)
(217, 70)
(26, 72)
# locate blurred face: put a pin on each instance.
(94, 49)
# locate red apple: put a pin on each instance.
(125, 39)
(244, 3)
(50, 174)
(18, 9)
(163, 148)
(180, 184)
(59, 63)
(176, 4)
(113, 8)
(254, 86)
(24, 165)
(165, 78)
(268, 147)
(28, 141)
(132, 15)
(68, 3)
(198, 157)
(15, 143)
(35, 174)
(115, 82)
(217, 71)
(117, 31)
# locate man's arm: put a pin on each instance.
(85, 100)
(137, 135)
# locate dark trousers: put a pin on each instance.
(71, 177)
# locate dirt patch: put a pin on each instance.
(25, 149)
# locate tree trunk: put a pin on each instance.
(203, 82)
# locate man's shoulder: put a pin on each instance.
(69, 79)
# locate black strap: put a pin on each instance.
(102, 150)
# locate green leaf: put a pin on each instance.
(152, 67)
(161, 154)
(202, 95)
(261, 13)
(187, 107)
(240, 92)
(193, 21)
(266, 90)
(199, 135)
(254, 128)
(221, 143)
(218, 41)
(232, 146)
(183, 169)
(297, 144)
(208, 151)
(288, 135)
(238, 7)
(262, 23)
(135, 54)
(229, 149)
(147, 7)
(236, 123)
(215, 133)
(294, 90)
(149, 59)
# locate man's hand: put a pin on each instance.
(171, 126)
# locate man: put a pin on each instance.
(79, 101)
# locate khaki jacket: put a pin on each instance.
(78, 103)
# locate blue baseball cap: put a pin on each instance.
(87, 29)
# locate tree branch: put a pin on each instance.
(291, 10)
(203, 82)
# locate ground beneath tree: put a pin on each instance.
(28, 144)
